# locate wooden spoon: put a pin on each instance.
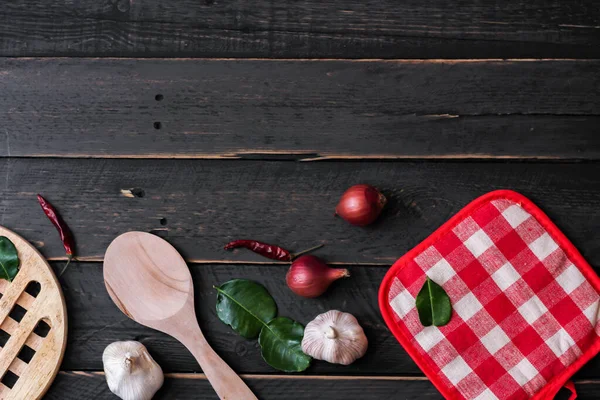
(151, 283)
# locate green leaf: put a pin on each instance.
(250, 310)
(9, 259)
(280, 342)
(433, 304)
(246, 306)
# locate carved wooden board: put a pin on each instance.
(33, 325)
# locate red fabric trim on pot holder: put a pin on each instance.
(525, 303)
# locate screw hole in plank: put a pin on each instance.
(159, 97)
(157, 125)
(163, 221)
(123, 5)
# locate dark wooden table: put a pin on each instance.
(247, 119)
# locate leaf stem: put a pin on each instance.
(430, 297)
(65, 267)
(296, 255)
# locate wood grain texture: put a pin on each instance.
(76, 385)
(34, 377)
(200, 205)
(307, 28)
(285, 88)
(150, 282)
(95, 322)
(305, 110)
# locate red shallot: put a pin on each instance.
(309, 276)
(360, 205)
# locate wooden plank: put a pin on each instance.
(85, 385)
(78, 385)
(199, 205)
(300, 109)
(95, 322)
(308, 28)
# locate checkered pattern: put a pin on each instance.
(522, 311)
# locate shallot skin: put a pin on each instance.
(310, 277)
(360, 205)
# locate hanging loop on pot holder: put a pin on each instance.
(571, 387)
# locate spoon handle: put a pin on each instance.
(224, 380)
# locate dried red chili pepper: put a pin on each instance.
(65, 233)
(267, 250)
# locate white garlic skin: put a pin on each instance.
(131, 372)
(335, 337)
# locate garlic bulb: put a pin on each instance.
(335, 337)
(131, 373)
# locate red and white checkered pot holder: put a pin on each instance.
(525, 303)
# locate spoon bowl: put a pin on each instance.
(141, 260)
(151, 283)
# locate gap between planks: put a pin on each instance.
(303, 156)
(353, 60)
(195, 376)
(200, 376)
(92, 259)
